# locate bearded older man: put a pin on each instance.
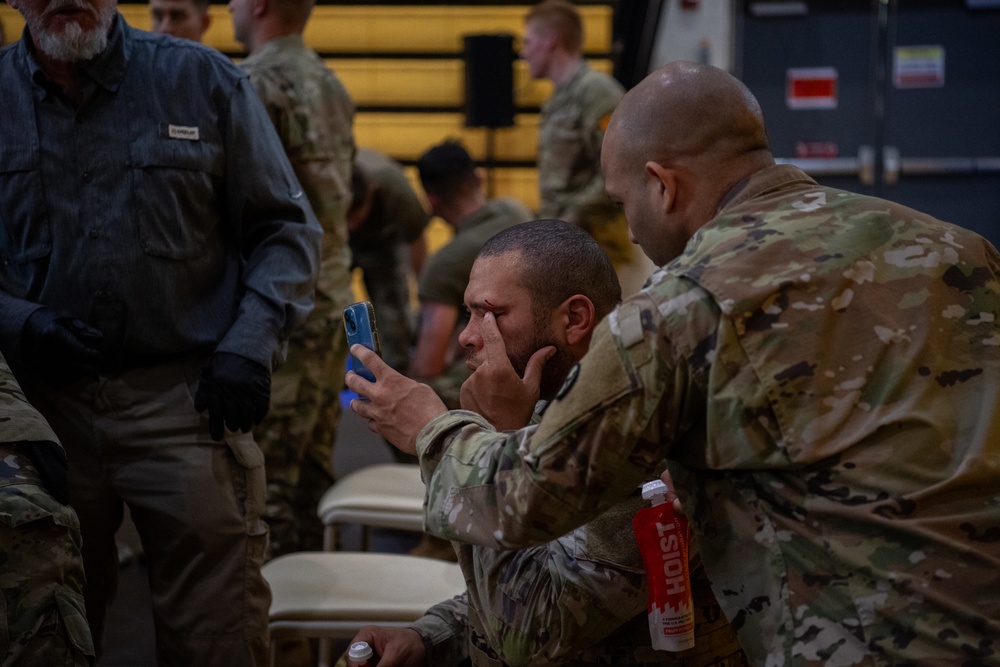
(157, 251)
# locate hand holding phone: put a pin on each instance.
(359, 321)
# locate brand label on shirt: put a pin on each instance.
(182, 132)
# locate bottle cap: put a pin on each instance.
(653, 489)
(359, 652)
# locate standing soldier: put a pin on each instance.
(572, 127)
(313, 114)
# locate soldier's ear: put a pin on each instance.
(579, 318)
(663, 180)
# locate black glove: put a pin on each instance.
(58, 347)
(236, 391)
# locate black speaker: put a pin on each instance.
(489, 80)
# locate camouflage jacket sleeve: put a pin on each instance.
(444, 629)
(19, 420)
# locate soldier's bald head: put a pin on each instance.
(676, 145)
(689, 110)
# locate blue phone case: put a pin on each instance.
(359, 322)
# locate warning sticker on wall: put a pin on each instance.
(918, 67)
(811, 88)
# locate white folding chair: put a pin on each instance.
(331, 595)
(385, 495)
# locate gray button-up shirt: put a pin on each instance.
(162, 210)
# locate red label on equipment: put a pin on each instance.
(811, 88)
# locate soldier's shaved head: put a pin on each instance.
(690, 110)
(692, 131)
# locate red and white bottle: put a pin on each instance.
(663, 536)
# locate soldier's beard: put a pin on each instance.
(72, 43)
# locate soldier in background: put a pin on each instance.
(41, 585)
(187, 19)
(572, 127)
(820, 368)
(454, 190)
(386, 221)
(581, 599)
(313, 115)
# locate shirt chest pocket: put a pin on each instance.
(25, 235)
(178, 189)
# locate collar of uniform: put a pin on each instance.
(577, 75)
(765, 180)
(265, 51)
(107, 68)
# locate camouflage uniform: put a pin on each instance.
(446, 275)
(379, 247)
(42, 613)
(579, 600)
(569, 159)
(822, 368)
(313, 114)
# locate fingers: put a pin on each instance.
(676, 502)
(371, 360)
(493, 344)
(359, 385)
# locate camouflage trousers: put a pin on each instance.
(386, 279)
(298, 433)
(42, 613)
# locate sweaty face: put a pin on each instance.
(494, 287)
(68, 30)
(179, 18)
(535, 50)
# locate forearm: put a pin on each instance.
(592, 448)
(437, 325)
(444, 629)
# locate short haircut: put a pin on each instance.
(562, 18)
(447, 170)
(201, 5)
(558, 259)
(294, 13)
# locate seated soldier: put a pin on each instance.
(535, 294)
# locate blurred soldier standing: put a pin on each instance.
(313, 115)
(386, 222)
(187, 19)
(572, 127)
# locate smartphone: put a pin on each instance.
(359, 321)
